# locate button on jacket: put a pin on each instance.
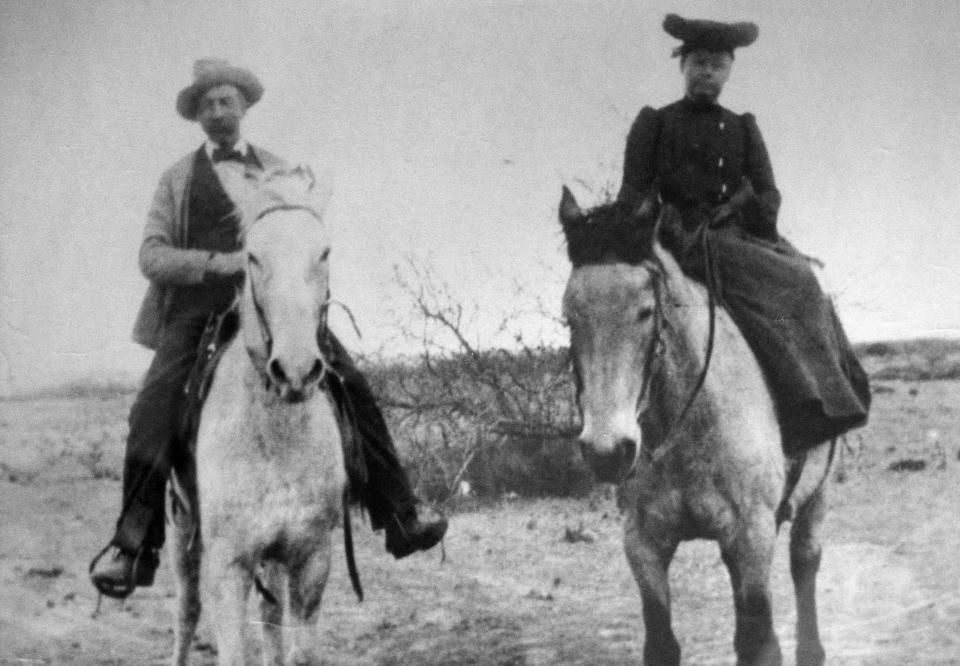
(699, 155)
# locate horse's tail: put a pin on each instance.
(348, 548)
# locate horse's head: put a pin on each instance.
(284, 300)
(612, 307)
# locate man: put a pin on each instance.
(191, 256)
(710, 168)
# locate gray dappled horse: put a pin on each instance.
(691, 435)
(270, 472)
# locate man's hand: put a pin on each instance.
(225, 265)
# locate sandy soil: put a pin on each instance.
(511, 590)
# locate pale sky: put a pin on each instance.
(448, 129)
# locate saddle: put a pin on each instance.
(219, 331)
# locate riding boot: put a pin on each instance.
(386, 492)
(155, 422)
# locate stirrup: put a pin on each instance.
(124, 589)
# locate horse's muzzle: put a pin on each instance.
(613, 465)
(295, 396)
(299, 387)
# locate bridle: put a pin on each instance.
(323, 330)
(655, 346)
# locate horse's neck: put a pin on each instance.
(731, 367)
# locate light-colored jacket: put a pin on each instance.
(164, 258)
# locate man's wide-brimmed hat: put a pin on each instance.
(709, 35)
(211, 72)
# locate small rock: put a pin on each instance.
(539, 596)
(44, 572)
(579, 535)
(908, 465)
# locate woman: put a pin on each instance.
(711, 170)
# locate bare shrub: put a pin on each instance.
(912, 360)
(503, 419)
(94, 460)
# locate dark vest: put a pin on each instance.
(211, 226)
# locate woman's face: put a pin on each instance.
(704, 73)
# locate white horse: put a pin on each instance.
(697, 447)
(270, 470)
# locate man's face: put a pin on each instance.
(705, 72)
(219, 113)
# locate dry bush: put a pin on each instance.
(503, 420)
(912, 360)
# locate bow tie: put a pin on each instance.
(221, 154)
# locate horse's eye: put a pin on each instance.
(253, 259)
(644, 314)
(325, 255)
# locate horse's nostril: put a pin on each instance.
(627, 449)
(276, 371)
(315, 372)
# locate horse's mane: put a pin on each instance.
(253, 191)
(618, 231)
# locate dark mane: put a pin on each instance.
(612, 232)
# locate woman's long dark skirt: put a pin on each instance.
(819, 387)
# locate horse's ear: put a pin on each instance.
(234, 179)
(240, 184)
(320, 189)
(570, 211)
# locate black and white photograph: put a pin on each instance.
(496, 332)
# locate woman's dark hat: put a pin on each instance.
(709, 35)
(210, 72)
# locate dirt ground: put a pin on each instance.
(511, 590)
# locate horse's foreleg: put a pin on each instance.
(307, 576)
(650, 562)
(748, 558)
(805, 554)
(185, 551)
(226, 583)
(271, 614)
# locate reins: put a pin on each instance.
(273, 209)
(712, 284)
